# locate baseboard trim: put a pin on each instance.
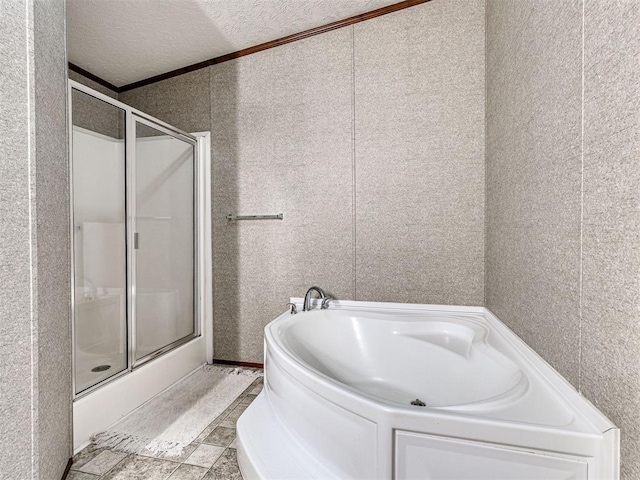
(67, 469)
(238, 364)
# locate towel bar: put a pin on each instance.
(234, 218)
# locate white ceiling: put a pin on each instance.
(123, 41)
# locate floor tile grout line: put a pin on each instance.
(178, 464)
(174, 470)
(107, 472)
(237, 402)
(159, 458)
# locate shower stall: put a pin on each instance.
(141, 256)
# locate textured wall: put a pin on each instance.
(94, 114)
(282, 143)
(370, 140)
(563, 169)
(53, 245)
(91, 84)
(15, 308)
(533, 173)
(181, 101)
(611, 227)
(35, 403)
(419, 149)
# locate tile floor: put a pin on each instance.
(211, 456)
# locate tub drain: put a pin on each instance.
(418, 403)
(101, 368)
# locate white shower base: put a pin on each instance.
(87, 361)
(95, 412)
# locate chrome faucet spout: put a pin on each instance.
(307, 298)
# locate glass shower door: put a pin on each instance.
(164, 297)
(98, 163)
(137, 204)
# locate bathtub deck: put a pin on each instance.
(211, 456)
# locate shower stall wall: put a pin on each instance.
(141, 256)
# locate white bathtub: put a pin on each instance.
(339, 385)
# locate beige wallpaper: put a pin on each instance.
(370, 141)
(563, 169)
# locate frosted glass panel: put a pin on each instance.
(100, 325)
(164, 226)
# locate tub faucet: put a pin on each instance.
(307, 298)
(294, 309)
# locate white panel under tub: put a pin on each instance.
(342, 438)
(428, 457)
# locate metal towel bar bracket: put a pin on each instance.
(234, 218)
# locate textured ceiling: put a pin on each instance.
(123, 41)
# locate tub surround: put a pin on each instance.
(328, 379)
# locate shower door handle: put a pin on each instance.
(136, 241)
